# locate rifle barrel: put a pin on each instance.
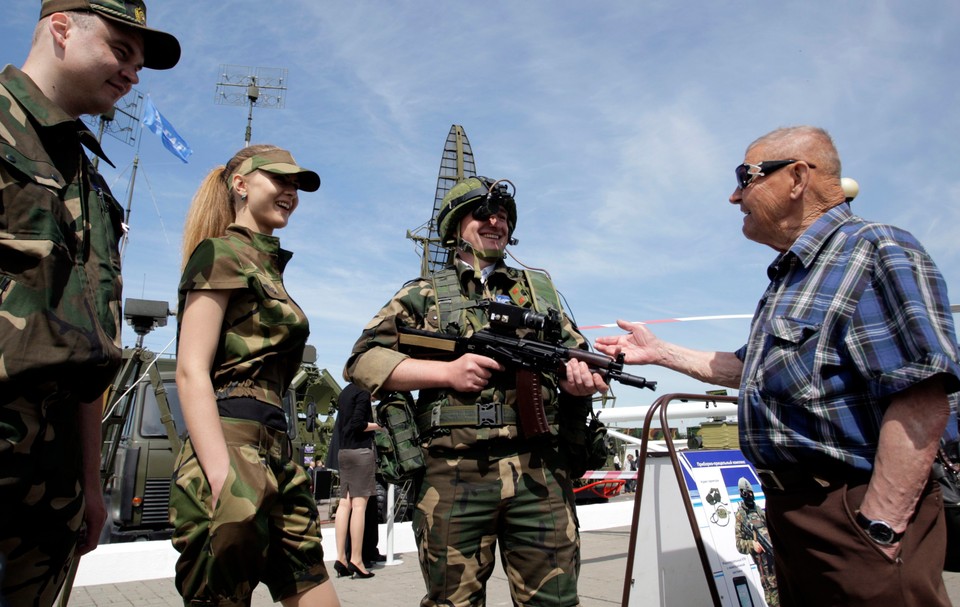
(609, 368)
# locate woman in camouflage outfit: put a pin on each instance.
(242, 510)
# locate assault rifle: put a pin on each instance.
(528, 356)
(759, 537)
(767, 557)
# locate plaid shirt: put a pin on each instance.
(855, 312)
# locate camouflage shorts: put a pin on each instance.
(466, 505)
(264, 528)
(40, 493)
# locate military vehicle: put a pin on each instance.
(312, 395)
(143, 425)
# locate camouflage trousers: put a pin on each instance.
(768, 580)
(40, 495)
(263, 528)
(770, 594)
(467, 504)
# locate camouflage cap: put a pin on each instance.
(280, 162)
(161, 50)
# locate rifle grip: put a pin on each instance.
(533, 417)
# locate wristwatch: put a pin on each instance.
(879, 531)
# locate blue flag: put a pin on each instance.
(154, 120)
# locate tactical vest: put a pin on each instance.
(452, 318)
(452, 305)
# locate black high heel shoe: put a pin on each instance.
(355, 572)
(341, 569)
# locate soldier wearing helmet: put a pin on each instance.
(754, 539)
(483, 199)
(484, 481)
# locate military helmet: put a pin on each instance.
(467, 195)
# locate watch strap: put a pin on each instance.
(866, 524)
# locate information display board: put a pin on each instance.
(665, 566)
(712, 481)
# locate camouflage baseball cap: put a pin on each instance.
(280, 162)
(161, 50)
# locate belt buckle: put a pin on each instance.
(770, 475)
(487, 415)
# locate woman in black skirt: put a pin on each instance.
(357, 477)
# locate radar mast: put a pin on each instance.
(456, 164)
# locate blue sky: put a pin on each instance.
(620, 123)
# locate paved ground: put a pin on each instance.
(604, 561)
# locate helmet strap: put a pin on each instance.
(491, 255)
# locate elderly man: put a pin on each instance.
(60, 283)
(844, 383)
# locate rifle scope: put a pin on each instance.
(505, 317)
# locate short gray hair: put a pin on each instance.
(809, 143)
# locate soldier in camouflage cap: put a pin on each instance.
(161, 51)
(485, 482)
(60, 282)
(242, 509)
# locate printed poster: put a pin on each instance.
(712, 480)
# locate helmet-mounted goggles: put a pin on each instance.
(498, 196)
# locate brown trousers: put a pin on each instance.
(822, 557)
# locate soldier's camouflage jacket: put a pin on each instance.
(59, 262)
(264, 330)
(749, 516)
(375, 354)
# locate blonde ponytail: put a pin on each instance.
(214, 206)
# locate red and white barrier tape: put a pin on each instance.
(666, 320)
(610, 475)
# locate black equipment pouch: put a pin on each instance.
(597, 448)
(946, 471)
(583, 437)
(399, 455)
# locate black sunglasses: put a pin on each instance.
(747, 173)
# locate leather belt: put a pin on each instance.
(791, 479)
